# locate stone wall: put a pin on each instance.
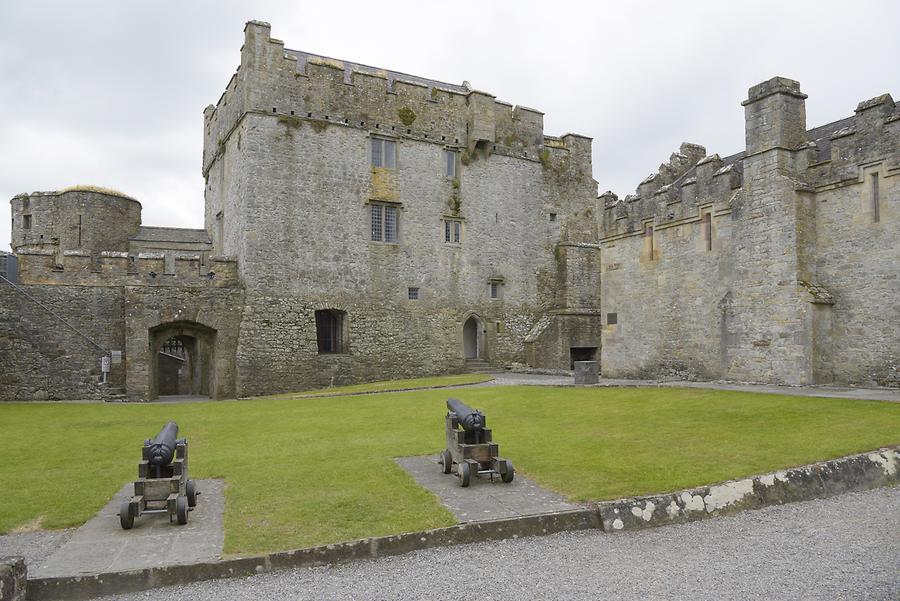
(74, 219)
(290, 189)
(42, 358)
(791, 279)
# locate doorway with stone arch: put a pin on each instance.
(182, 356)
(473, 338)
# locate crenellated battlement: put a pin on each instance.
(830, 156)
(44, 265)
(324, 92)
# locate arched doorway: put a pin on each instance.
(473, 338)
(182, 359)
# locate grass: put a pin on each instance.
(311, 471)
(389, 385)
(100, 189)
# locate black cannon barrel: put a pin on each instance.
(162, 448)
(470, 419)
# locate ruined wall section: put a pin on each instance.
(42, 358)
(856, 260)
(666, 295)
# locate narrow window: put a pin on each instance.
(413, 293)
(457, 231)
(376, 223)
(495, 290)
(384, 223)
(612, 319)
(450, 163)
(390, 224)
(384, 153)
(707, 230)
(26, 222)
(79, 231)
(552, 216)
(330, 331)
(876, 208)
(446, 231)
(648, 236)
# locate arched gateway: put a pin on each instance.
(182, 359)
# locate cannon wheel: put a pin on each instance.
(190, 490)
(181, 510)
(126, 515)
(446, 461)
(465, 473)
(507, 473)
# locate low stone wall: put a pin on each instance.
(819, 480)
(88, 587)
(815, 481)
(13, 575)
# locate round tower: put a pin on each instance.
(79, 218)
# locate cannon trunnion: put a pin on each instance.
(470, 446)
(162, 485)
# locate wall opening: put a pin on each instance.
(331, 331)
(183, 359)
(876, 205)
(473, 338)
(581, 353)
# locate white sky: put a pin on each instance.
(112, 93)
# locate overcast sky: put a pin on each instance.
(112, 93)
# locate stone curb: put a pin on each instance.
(815, 481)
(87, 587)
(819, 480)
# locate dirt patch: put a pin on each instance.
(30, 526)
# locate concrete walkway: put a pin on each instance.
(100, 545)
(483, 499)
(834, 392)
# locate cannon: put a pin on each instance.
(162, 485)
(470, 447)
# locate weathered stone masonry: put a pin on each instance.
(771, 265)
(291, 183)
(365, 224)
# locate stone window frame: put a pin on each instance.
(495, 288)
(452, 230)
(707, 231)
(649, 238)
(332, 332)
(377, 159)
(379, 233)
(875, 195)
(450, 157)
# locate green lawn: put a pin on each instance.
(319, 470)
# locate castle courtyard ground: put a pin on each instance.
(844, 547)
(317, 470)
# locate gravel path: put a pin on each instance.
(846, 547)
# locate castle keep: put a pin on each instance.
(365, 224)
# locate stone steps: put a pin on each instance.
(478, 366)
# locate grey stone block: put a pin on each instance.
(587, 372)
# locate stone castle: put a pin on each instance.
(365, 224)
